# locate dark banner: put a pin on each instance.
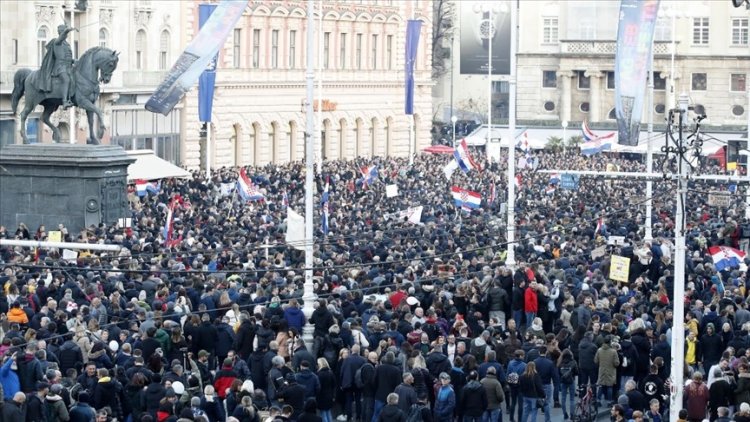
(484, 23)
(635, 34)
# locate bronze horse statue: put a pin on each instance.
(96, 65)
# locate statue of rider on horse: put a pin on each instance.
(60, 81)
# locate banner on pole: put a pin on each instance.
(412, 45)
(207, 80)
(619, 268)
(635, 34)
(196, 57)
(295, 229)
(479, 25)
(412, 214)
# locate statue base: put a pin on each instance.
(74, 185)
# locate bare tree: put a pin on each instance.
(443, 25)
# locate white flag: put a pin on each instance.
(227, 188)
(391, 191)
(450, 168)
(415, 215)
(295, 229)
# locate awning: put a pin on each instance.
(148, 166)
(439, 149)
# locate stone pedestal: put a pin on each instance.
(74, 185)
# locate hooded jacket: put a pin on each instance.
(56, 410)
(29, 372)
(392, 413)
(307, 379)
(493, 391)
(295, 318)
(9, 380)
(474, 398)
(70, 356)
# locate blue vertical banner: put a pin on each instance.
(207, 79)
(635, 34)
(413, 27)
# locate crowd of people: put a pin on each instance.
(410, 322)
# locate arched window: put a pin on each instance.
(292, 141)
(612, 114)
(103, 37)
(140, 49)
(163, 49)
(342, 139)
(41, 41)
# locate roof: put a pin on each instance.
(148, 166)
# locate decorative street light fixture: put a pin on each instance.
(454, 119)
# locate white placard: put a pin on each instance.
(69, 255)
(391, 191)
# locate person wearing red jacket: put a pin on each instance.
(224, 378)
(530, 304)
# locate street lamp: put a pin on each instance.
(564, 125)
(454, 119)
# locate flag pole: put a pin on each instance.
(412, 137)
(321, 153)
(510, 259)
(308, 295)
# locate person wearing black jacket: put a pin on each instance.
(69, 355)
(35, 407)
(391, 412)
(531, 388)
(243, 341)
(206, 338)
(643, 347)
(368, 390)
(586, 352)
(387, 376)
(652, 387)
(473, 400)
(719, 394)
(153, 394)
(293, 394)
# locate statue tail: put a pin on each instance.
(19, 85)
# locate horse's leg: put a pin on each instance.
(92, 137)
(27, 108)
(48, 110)
(101, 127)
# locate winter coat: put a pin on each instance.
(742, 390)
(348, 369)
(225, 340)
(36, 411)
(70, 356)
(107, 393)
(223, 381)
(391, 413)
(407, 396)
(295, 318)
(387, 378)
(322, 319)
(153, 395)
(643, 347)
(9, 380)
(136, 398)
(608, 361)
(437, 363)
(445, 404)
(586, 353)
(307, 379)
(13, 412)
(696, 397)
(55, 408)
(474, 399)
(206, 338)
(712, 346)
(82, 412)
(531, 387)
(493, 391)
(243, 341)
(327, 393)
(498, 299)
(530, 301)
(29, 372)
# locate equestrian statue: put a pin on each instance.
(61, 81)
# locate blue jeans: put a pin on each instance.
(493, 415)
(529, 409)
(516, 401)
(548, 395)
(530, 319)
(472, 418)
(326, 416)
(518, 317)
(568, 389)
(379, 405)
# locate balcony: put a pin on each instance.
(604, 47)
(142, 78)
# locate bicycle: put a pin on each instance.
(586, 409)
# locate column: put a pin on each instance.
(565, 77)
(595, 77)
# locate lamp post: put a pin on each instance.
(454, 119)
(308, 295)
(564, 125)
(510, 258)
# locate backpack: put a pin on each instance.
(415, 413)
(512, 378)
(358, 381)
(566, 373)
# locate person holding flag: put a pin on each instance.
(324, 205)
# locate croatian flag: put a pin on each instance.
(726, 257)
(324, 203)
(144, 187)
(285, 200)
(493, 194)
(550, 189)
(554, 178)
(463, 157)
(369, 174)
(599, 225)
(594, 144)
(518, 181)
(465, 199)
(247, 190)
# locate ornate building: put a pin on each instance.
(148, 35)
(566, 59)
(260, 85)
(258, 113)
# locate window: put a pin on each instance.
(610, 80)
(342, 52)
(41, 42)
(584, 82)
(103, 37)
(374, 51)
(612, 115)
(256, 48)
(739, 82)
(700, 31)
(740, 31)
(236, 47)
(164, 50)
(738, 110)
(663, 30)
(275, 49)
(549, 79)
(359, 51)
(549, 106)
(659, 108)
(584, 107)
(292, 49)
(389, 51)
(660, 84)
(699, 81)
(500, 87)
(549, 31)
(326, 48)
(15, 50)
(140, 46)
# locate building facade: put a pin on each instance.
(258, 114)
(148, 36)
(566, 60)
(258, 109)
